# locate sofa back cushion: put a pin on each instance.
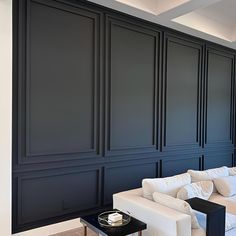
(168, 185)
(226, 186)
(232, 171)
(178, 205)
(210, 174)
(202, 189)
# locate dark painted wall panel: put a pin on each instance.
(101, 102)
(46, 196)
(219, 82)
(178, 165)
(124, 177)
(60, 80)
(218, 160)
(131, 78)
(183, 68)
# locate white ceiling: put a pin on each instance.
(222, 11)
(213, 20)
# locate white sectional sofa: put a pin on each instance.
(164, 221)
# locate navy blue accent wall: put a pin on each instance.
(103, 100)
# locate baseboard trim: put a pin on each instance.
(52, 229)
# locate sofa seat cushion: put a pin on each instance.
(232, 171)
(228, 202)
(198, 232)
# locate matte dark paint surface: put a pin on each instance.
(219, 82)
(131, 87)
(60, 81)
(103, 100)
(178, 165)
(45, 195)
(182, 75)
(117, 181)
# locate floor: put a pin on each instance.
(76, 232)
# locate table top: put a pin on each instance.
(204, 206)
(91, 221)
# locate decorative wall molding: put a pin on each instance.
(190, 46)
(146, 34)
(227, 57)
(25, 153)
(130, 118)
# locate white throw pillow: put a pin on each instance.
(202, 189)
(178, 205)
(210, 174)
(168, 185)
(232, 171)
(226, 186)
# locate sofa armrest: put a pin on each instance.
(160, 220)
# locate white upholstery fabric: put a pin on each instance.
(178, 205)
(232, 171)
(168, 185)
(228, 202)
(202, 189)
(231, 232)
(198, 232)
(210, 174)
(230, 221)
(226, 186)
(160, 220)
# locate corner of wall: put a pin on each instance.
(5, 114)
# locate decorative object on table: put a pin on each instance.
(131, 226)
(113, 218)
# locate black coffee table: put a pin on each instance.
(91, 221)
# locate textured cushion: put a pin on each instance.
(178, 205)
(210, 174)
(202, 189)
(228, 202)
(169, 185)
(226, 186)
(232, 171)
